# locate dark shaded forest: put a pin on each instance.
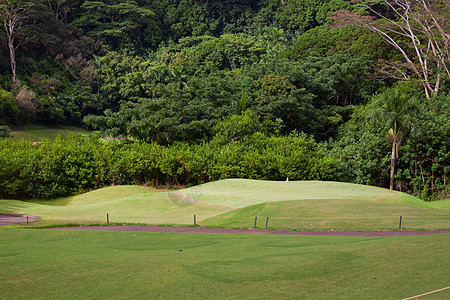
(364, 84)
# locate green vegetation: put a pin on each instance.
(186, 93)
(37, 133)
(442, 203)
(214, 78)
(234, 203)
(331, 214)
(66, 166)
(55, 264)
(364, 147)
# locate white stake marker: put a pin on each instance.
(432, 292)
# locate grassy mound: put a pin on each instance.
(126, 204)
(442, 203)
(315, 205)
(245, 192)
(38, 132)
(336, 214)
(234, 203)
(99, 196)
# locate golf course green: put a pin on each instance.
(234, 203)
(68, 264)
(41, 132)
(71, 264)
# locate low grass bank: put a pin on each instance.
(245, 192)
(334, 214)
(149, 208)
(442, 203)
(299, 205)
(64, 264)
(40, 132)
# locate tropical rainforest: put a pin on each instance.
(190, 91)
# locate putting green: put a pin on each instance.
(245, 192)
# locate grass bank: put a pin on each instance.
(234, 203)
(40, 132)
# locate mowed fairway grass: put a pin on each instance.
(234, 203)
(68, 264)
(38, 132)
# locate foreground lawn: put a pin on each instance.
(234, 203)
(63, 264)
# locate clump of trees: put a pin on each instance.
(398, 141)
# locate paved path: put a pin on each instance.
(250, 231)
(8, 219)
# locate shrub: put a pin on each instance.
(73, 164)
(8, 108)
(5, 131)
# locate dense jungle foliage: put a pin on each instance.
(211, 89)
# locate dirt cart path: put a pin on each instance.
(252, 231)
(8, 219)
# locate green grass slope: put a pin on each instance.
(334, 214)
(129, 204)
(37, 132)
(99, 196)
(234, 203)
(314, 205)
(64, 264)
(442, 203)
(245, 192)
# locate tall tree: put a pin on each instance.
(418, 29)
(395, 106)
(12, 14)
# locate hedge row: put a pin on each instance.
(74, 164)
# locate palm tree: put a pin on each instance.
(396, 108)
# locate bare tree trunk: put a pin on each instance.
(393, 156)
(12, 14)
(12, 58)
